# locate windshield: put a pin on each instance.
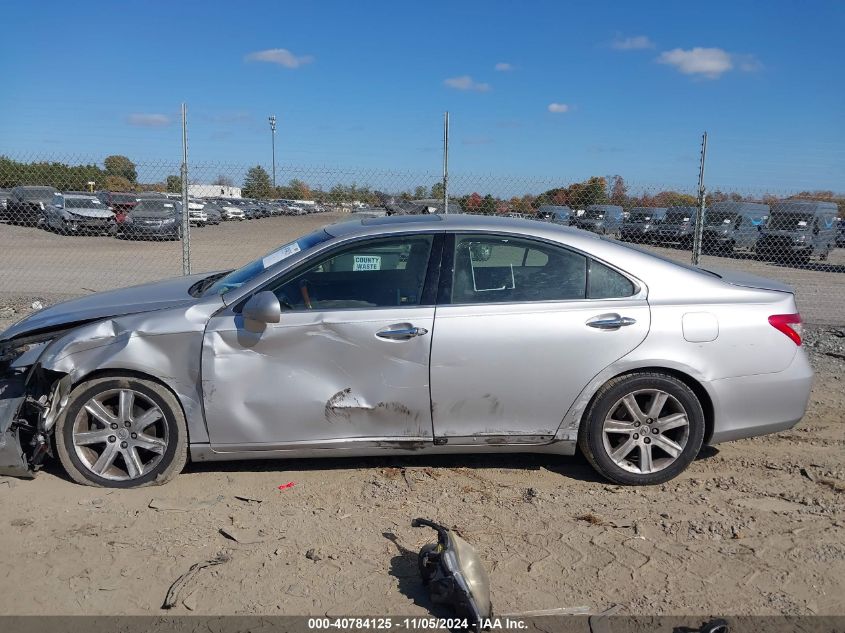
(789, 221)
(640, 216)
(155, 208)
(83, 203)
(242, 275)
(718, 218)
(678, 217)
(594, 214)
(38, 193)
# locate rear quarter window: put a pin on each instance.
(605, 283)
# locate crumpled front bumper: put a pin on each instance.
(13, 460)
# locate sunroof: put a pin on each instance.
(400, 219)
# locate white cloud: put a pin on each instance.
(141, 119)
(558, 108)
(280, 56)
(707, 62)
(635, 43)
(465, 82)
(503, 67)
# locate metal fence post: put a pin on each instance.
(446, 162)
(699, 217)
(186, 219)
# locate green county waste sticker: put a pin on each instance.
(366, 262)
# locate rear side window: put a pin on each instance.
(493, 269)
(606, 283)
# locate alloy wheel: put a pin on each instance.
(645, 431)
(120, 434)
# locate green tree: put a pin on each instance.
(257, 183)
(117, 165)
(116, 183)
(437, 190)
(173, 184)
(420, 192)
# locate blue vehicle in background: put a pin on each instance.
(604, 219)
(641, 223)
(558, 214)
(732, 226)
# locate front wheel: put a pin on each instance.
(122, 433)
(642, 429)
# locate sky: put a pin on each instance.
(535, 89)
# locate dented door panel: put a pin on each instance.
(513, 370)
(321, 375)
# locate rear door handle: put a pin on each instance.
(402, 332)
(610, 321)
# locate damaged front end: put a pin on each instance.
(30, 400)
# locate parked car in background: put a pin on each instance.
(213, 213)
(231, 210)
(4, 194)
(253, 209)
(558, 214)
(604, 219)
(641, 223)
(196, 212)
(79, 213)
(840, 236)
(677, 228)
(730, 226)
(159, 219)
(26, 204)
(342, 341)
(799, 230)
(119, 201)
(421, 206)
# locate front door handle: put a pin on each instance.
(610, 322)
(401, 333)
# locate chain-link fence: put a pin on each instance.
(70, 227)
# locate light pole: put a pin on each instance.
(273, 141)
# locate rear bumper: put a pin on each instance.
(748, 406)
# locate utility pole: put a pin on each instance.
(702, 195)
(446, 162)
(273, 141)
(186, 219)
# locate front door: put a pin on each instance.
(348, 360)
(525, 326)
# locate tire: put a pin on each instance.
(159, 454)
(608, 425)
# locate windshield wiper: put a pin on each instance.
(202, 285)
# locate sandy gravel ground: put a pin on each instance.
(753, 527)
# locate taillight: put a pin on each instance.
(789, 324)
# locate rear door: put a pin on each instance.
(522, 326)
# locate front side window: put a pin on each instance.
(387, 272)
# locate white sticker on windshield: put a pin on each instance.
(726, 221)
(278, 255)
(802, 223)
(366, 262)
(686, 219)
(168, 206)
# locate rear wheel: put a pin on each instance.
(642, 429)
(122, 433)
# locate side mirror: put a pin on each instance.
(262, 308)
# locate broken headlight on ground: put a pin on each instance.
(454, 575)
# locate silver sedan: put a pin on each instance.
(407, 335)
